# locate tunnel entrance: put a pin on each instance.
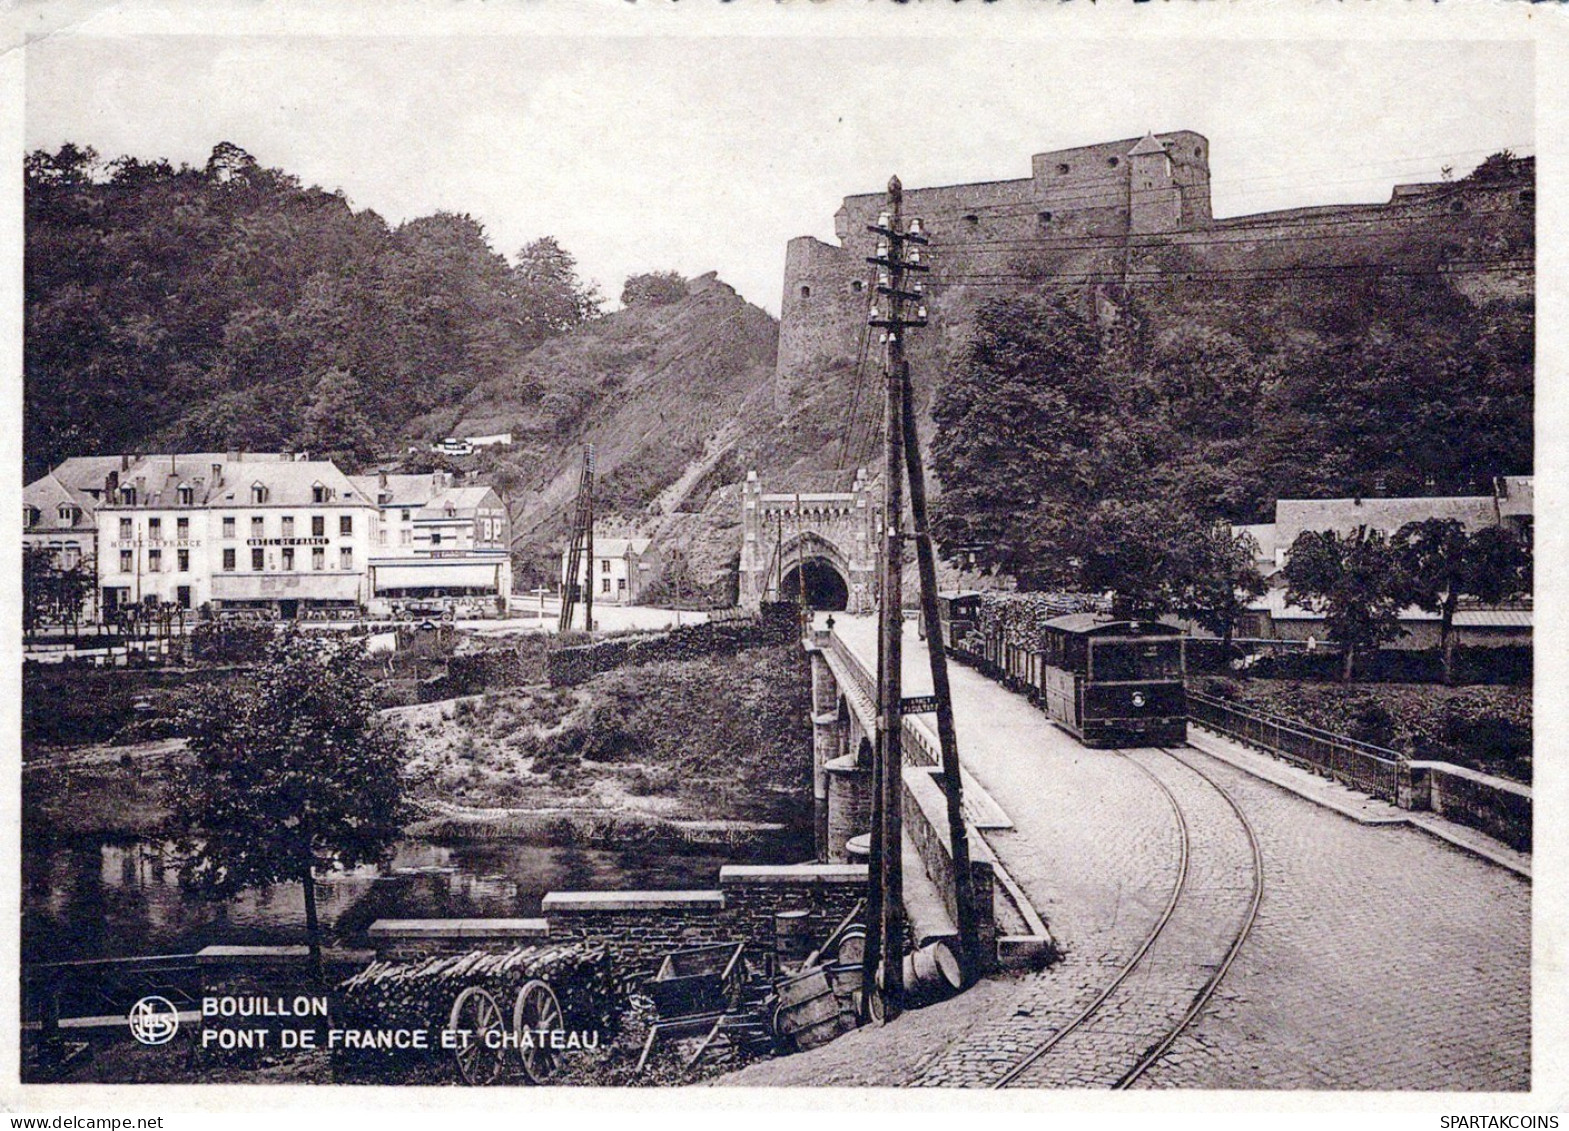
(821, 583)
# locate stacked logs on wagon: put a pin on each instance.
(571, 987)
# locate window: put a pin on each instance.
(258, 492)
(1044, 217)
(346, 557)
(621, 584)
(125, 530)
(806, 292)
(856, 286)
(319, 493)
(604, 565)
(182, 529)
(187, 496)
(228, 560)
(435, 537)
(971, 218)
(345, 524)
(256, 559)
(182, 596)
(1062, 170)
(154, 561)
(288, 526)
(604, 586)
(318, 558)
(406, 538)
(125, 561)
(228, 526)
(288, 557)
(318, 526)
(405, 516)
(182, 561)
(68, 514)
(70, 556)
(258, 526)
(381, 536)
(128, 496)
(1113, 162)
(30, 516)
(154, 528)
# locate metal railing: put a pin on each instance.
(55, 991)
(1360, 765)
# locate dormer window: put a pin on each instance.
(187, 496)
(128, 496)
(320, 493)
(30, 516)
(258, 492)
(69, 515)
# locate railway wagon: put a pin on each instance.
(957, 613)
(1110, 682)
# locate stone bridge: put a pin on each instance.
(817, 545)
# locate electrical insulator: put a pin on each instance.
(914, 228)
(882, 248)
(914, 255)
(918, 287)
(920, 312)
(884, 219)
(882, 278)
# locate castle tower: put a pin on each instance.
(1155, 200)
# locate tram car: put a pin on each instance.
(1110, 682)
(958, 614)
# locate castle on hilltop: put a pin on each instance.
(1104, 219)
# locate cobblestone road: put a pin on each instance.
(1381, 958)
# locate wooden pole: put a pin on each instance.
(891, 626)
(588, 595)
(958, 834)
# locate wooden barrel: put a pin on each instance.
(808, 1010)
(792, 937)
(845, 977)
(851, 945)
(933, 972)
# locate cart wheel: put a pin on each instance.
(536, 1013)
(482, 1058)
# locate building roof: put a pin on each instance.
(1149, 143)
(618, 547)
(400, 490)
(1293, 516)
(1516, 495)
(48, 494)
(1274, 602)
(1264, 534)
(460, 501)
(288, 483)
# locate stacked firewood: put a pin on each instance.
(419, 995)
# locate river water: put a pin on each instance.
(111, 899)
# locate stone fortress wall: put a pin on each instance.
(1105, 218)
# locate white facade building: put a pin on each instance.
(277, 536)
(614, 573)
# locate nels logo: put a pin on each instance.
(154, 1020)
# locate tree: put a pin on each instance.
(657, 288)
(1221, 577)
(1354, 580)
(552, 298)
(292, 773)
(1010, 447)
(1441, 563)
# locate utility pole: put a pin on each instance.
(893, 260)
(582, 539)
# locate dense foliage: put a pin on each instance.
(231, 307)
(292, 773)
(1086, 450)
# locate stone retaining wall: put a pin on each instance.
(1495, 806)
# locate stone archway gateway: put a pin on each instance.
(822, 541)
(818, 584)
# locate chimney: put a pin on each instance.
(141, 488)
(217, 474)
(125, 462)
(111, 481)
(234, 457)
(381, 479)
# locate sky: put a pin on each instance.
(708, 153)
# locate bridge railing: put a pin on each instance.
(1372, 769)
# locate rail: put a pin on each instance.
(57, 991)
(1360, 765)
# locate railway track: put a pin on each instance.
(1167, 981)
